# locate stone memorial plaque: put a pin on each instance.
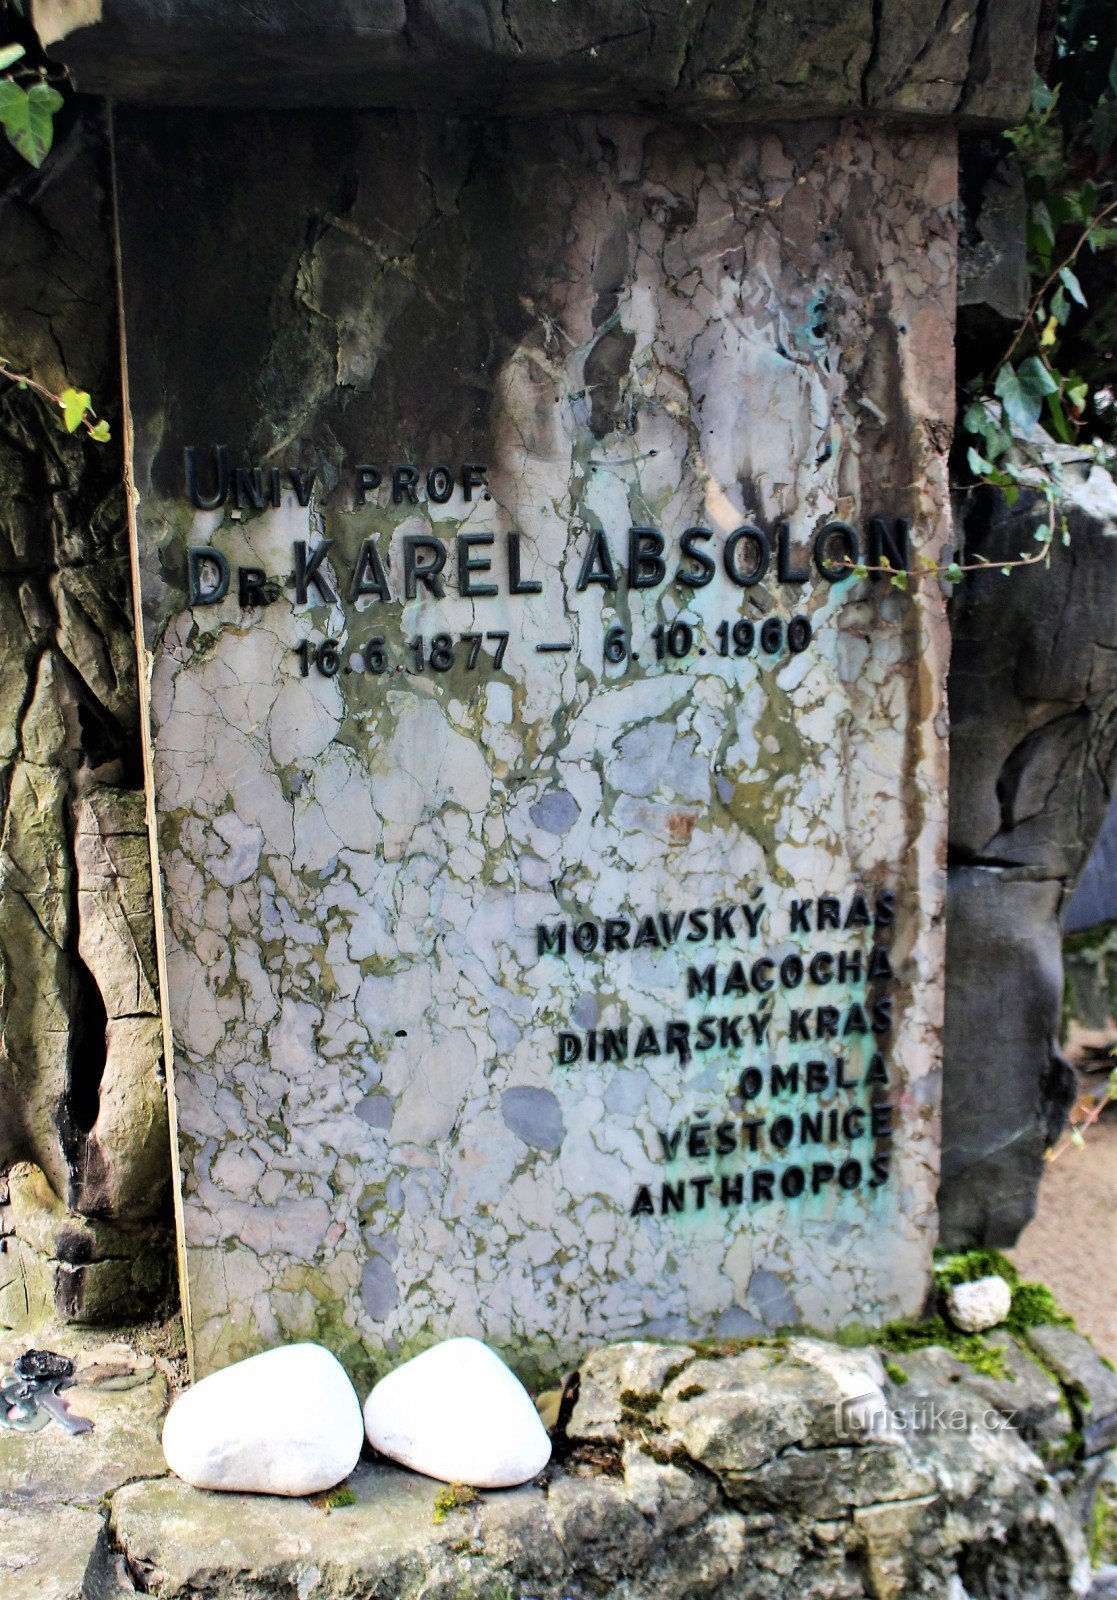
(551, 820)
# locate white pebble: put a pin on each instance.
(457, 1413)
(982, 1304)
(285, 1422)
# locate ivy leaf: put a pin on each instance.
(1022, 390)
(1061, 427)
(47, 99)
(985, 427)
(1050, 333)
(1043, 98)
(1077, 395)
(100, 432)
(1060, 306)
(953, 573)
(1071, 285)
(978, 464)
(27, 117)
(1020, 407)
(1063, 208)
(1041, 229)
(899, 580)
(75, 404)
(10, 54)
(860, 570)
(1036, 377)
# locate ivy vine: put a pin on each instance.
(1051, 383)
(29, 103)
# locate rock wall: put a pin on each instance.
(83, 1121)
(1033, 707)
(1095, 899)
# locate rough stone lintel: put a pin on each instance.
(756, 61)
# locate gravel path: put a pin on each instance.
(1072, 1243)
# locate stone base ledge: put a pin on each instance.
(759, 1471)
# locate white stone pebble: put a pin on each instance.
(457, 1413)
(285, 1422)
(982, 1304)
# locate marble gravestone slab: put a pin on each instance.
(551, 826)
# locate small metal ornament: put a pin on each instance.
(30, 1394)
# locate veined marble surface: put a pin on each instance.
(381, 1143)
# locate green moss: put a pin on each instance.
(988, 1359)
(1103, 1526)
(334, 1499)
(673, 1372)
(894, 1370)
(692, 1392)
(1097, 938)
(718, 1349)
(642, 1404)
(968, 1265)
(904, 1338)
(1068, 1450)
(450, 1498)
(1033, 1305)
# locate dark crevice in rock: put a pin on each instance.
(1058, 1090)
(87, 1052)
(965, 858)
(510, 26)
(980, 62)
(874, 52)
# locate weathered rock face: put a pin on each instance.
(82, 1101)
(795, 1467)
(724, 59)
(799, 1470)
(55, 1485)
(1033, 697)
(1095, 899)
